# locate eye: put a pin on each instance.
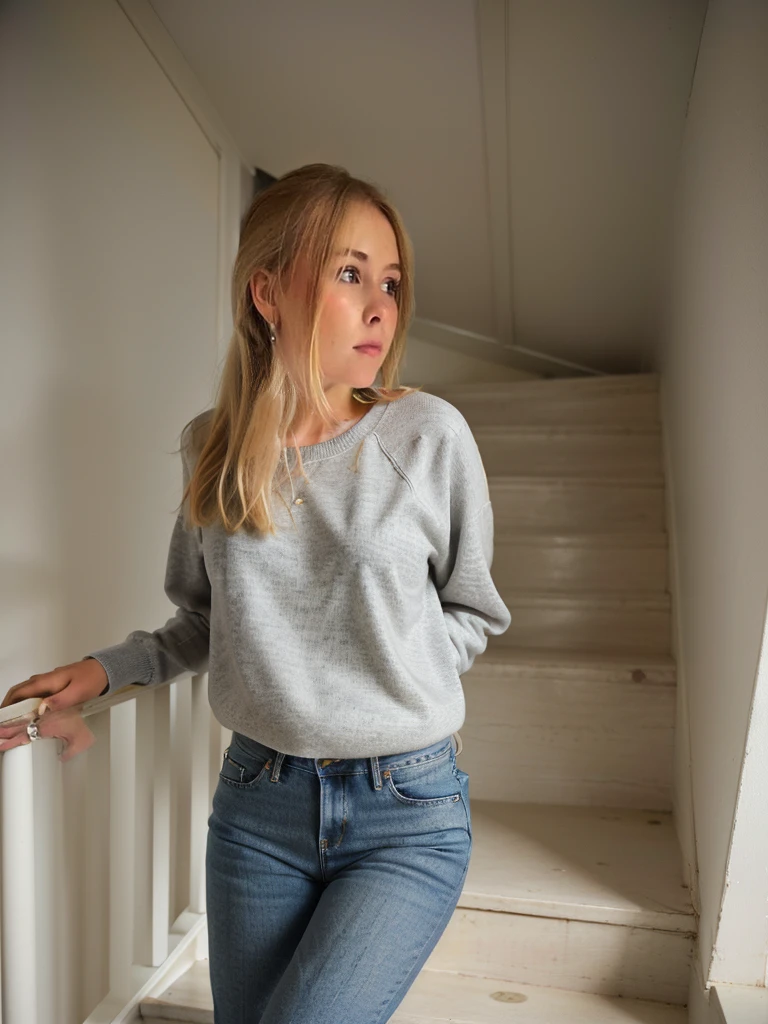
(393, 281)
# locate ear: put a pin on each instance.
(260, 286)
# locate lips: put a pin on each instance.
(369, 348)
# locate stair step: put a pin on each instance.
(437, 996)
(583, 505)
(188, 1000)
(586, 621)
(589, 899)
(581, 562)
(459, 999)
(569, 727)
(739, 1004)
(585, 899)
(614, 866)
(561, 387)
(612, 400)
(571, 451)
(517, 664)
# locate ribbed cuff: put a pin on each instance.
(124, 664)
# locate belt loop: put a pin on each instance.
(275, 775)
(457, 740)
(376, 771)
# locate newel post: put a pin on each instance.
(31, 885)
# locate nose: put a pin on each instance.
(376, 312)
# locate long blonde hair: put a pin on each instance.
(300, 214)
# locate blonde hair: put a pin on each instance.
(299, 215)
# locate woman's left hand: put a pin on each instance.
(67, 725)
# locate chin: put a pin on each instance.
(364, 382)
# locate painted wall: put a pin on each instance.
(108, 305)
(591, 95)
(433, 365)
(714, 363)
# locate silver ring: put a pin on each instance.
(32, 731)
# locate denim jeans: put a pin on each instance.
(329, 882)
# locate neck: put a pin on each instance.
(310, 429)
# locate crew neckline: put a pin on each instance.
(342, 442)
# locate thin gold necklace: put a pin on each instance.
(289, 469)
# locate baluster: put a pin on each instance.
(20, 964)
(144, 828)
(122, 842)
(96, 869)
(181, 753)
(200, 792)
(32, 880)
(161, 865)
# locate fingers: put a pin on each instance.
(36, 686)
(71, 728)
(64, 691)
(19, 741)
(9, 732)
(66, 686)
(68, 726)
(77, 691)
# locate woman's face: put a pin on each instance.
(358, 305)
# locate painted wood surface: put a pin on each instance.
(445, 996)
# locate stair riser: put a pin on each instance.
(581, 627)
(640, 410)
(542, 565)
(577, 955)
(574, 389)
(584, 744)
(442, 996)
(578, 455)
(550, 507)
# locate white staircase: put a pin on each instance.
(574, 909)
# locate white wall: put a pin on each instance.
(714, 363)
(592, 97)
(434, 366)
(109, 270)
(109, 286)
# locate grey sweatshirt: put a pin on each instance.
(345, 635)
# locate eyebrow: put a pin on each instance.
(363, 256)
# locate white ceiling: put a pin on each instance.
(566, 201)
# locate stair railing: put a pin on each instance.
(102, 879)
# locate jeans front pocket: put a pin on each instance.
(464, 780)
(424, 784)
(241, 769)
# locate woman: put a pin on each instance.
(332, 575)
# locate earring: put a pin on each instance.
(272, 335)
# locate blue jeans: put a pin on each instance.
(329, 882)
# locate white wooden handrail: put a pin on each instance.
(103, 857)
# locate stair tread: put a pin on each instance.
(437, 996)
(634, 382)
(463, 999)
(575, 475)
(608, 865)
(522, 536)
(535, 657)
(534, 479)
(652, 430)
(741, 1004)
(568, 598)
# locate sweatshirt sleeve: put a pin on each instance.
(472, 606)
(182, 644)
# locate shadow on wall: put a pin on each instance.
(432, 365)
